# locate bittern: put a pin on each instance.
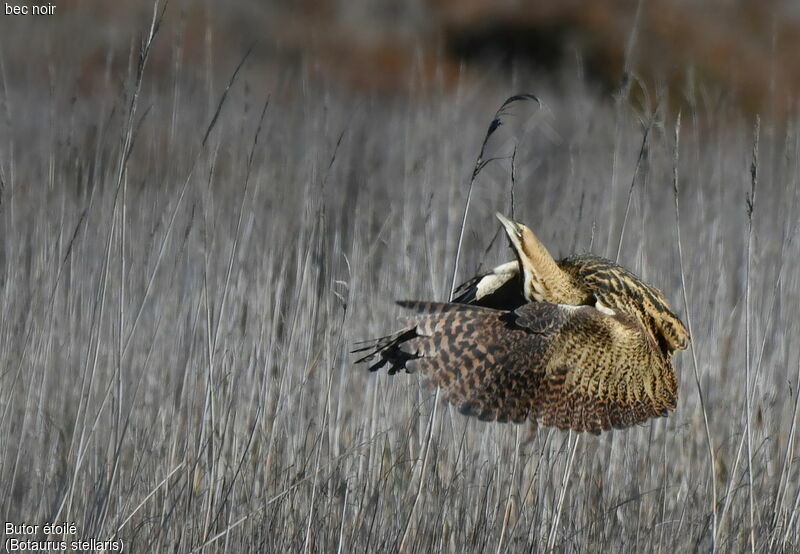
(579, 343)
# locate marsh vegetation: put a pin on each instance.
(184, 268)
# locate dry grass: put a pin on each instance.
(175, 327)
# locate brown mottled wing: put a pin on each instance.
(569, 367)
(619, 289)
(603, 372)
(500, 289)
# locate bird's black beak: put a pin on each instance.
(513, 229)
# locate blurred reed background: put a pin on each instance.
(192, 238)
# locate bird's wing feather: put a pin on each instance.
(612, 285)
(566, 366)
(500, 289)
(602, 372)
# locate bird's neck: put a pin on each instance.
(545, 280)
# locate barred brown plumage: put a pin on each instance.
(579, 344)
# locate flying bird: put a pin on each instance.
(579, 343)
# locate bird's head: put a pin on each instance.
(544, 280)
(517, 232)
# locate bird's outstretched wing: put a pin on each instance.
(572, 367)
(616, 287)
(500, 288)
